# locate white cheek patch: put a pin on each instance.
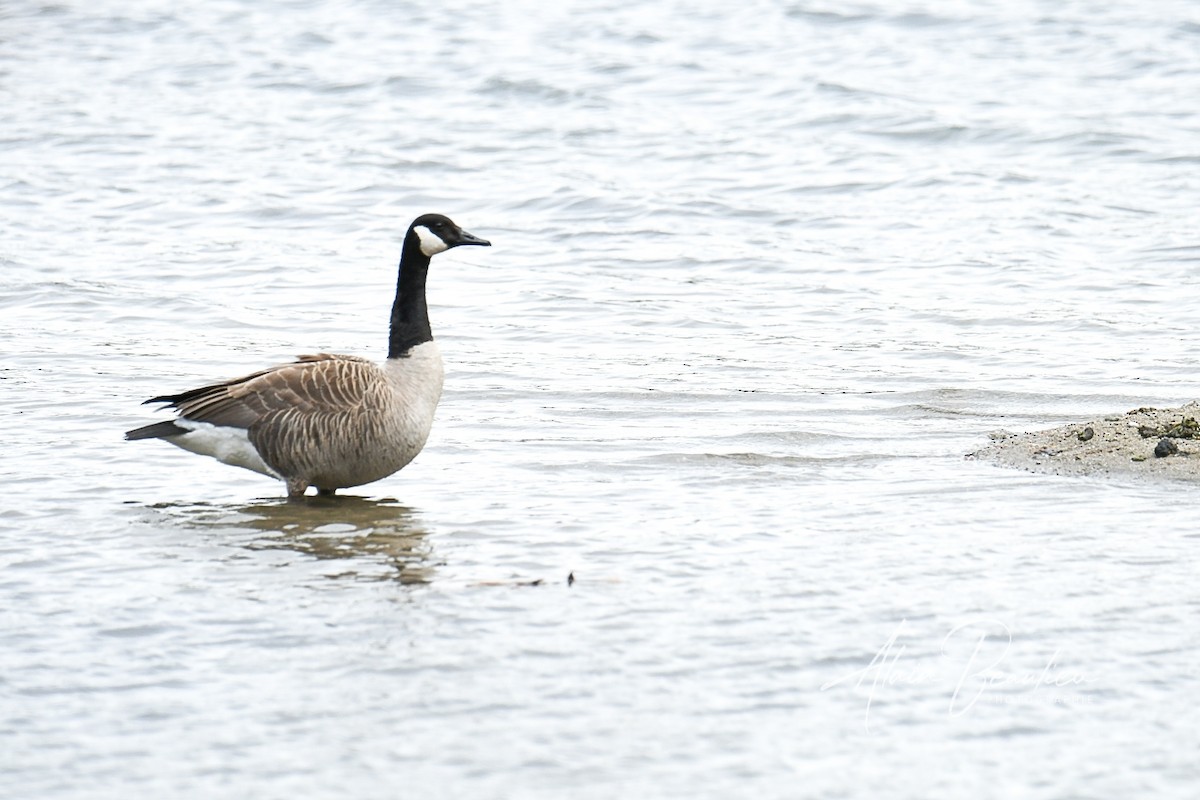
(431, 245)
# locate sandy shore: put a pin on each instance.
(1150, 443)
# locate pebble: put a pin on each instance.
(1165, 447)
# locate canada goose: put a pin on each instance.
(329, 421)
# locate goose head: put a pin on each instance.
(434, 233)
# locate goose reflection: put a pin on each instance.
(348, 528)
(364, 533)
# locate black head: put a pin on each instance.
(435, 233)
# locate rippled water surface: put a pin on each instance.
(762, 275)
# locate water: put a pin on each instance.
(761, 276)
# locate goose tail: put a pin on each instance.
(157, 430)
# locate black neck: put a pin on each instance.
(410, 315)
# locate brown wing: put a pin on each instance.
(295, 413)
(314, 384)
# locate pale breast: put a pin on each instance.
(391, 427)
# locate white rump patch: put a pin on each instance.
(431, 243)
(228, 445)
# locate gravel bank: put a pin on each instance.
(1150, 443)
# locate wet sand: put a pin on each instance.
(1152, 443)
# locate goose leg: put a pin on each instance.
(296, 487)
(326, 492)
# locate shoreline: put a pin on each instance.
(1147, 443)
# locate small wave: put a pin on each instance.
(532, 89)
